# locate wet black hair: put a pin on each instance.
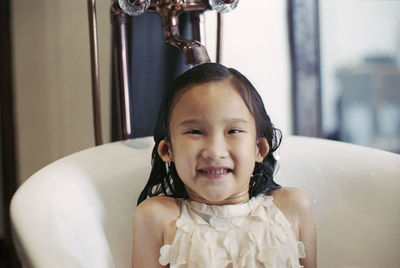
(164, 179)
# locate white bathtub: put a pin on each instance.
(77, 211)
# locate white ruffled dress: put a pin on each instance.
(251, 234)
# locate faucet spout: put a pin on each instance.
(195, 53)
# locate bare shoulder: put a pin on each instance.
(157, 209)
(161, 204)
(291, 198)
(297, 208)
(295, 205)
(153, 222)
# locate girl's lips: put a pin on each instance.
(214, 172)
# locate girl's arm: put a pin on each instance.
(296, 206)
(147, 237)
(307, 231)
(150, 220)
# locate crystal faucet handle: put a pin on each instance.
(135, 8)
(223, 6)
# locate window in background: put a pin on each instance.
(360, 71)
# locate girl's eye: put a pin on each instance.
(234, 131)
(194, 132)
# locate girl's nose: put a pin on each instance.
(215, 148)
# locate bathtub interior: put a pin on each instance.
(77, 211)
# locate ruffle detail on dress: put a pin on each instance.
(164, 255)
(252, 234)
(301, 249)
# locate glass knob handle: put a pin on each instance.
(135, 7)
(223, 6)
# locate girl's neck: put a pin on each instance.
(241, 197)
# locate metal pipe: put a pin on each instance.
(121, 55)
(197, 19)
(116, 81)
(219, 37)
(94, 62)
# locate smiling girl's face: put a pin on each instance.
(213, 143)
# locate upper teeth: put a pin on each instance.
(220, 171)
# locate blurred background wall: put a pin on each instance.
(360, 71)
(52, 79)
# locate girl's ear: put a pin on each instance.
(262, 149)
(164, 151)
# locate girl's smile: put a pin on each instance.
(214, 172)
(213, 143)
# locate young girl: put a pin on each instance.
(213, 202)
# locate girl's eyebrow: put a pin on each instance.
(227, 120)
(190, 122)
(236, 120)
